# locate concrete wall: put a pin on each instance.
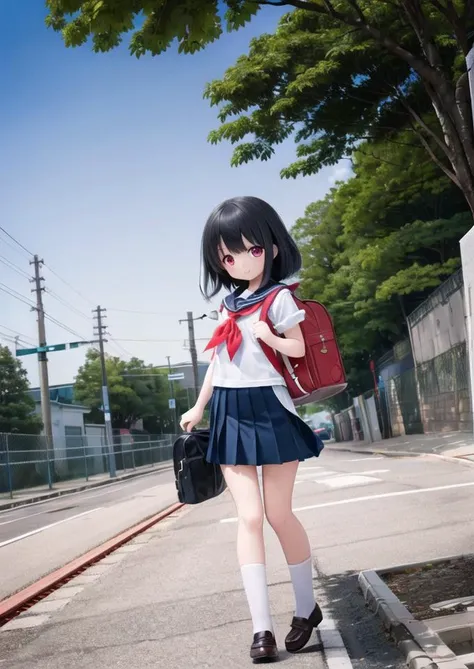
(439, 334)
(438, 324)
(467, 257)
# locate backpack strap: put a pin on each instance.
(268, 301)
(273, 356)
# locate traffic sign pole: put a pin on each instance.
(53, 347)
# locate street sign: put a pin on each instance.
(172, 404)
(176, 377)
(53, 347)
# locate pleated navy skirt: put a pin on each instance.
(250, 426)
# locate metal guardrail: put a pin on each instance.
(28, 462)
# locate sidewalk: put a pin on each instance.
(451, 445)
(171, 598)
(42, 493)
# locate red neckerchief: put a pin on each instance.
(229, 332)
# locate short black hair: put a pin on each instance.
(260, 224)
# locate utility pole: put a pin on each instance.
(192, 349)
(173, 398)
(42, 357)
(109, 439)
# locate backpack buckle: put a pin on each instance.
(323, 342)
(181, 466)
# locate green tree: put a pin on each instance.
(376, 244)
(136, 390)
(16, 405)
(335, 71)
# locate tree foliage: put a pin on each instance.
(376, 245)
(333, 73)
(16, 405)
(136, 390)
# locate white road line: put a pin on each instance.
(119, 485)
(46, 527)
(369, 498)
(347, 481)
(335, 651)
(377, 457)
(16, 520)
(366, 472)
(115, 485)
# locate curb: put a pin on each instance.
(421, 646)
(80, 488)
(405, 454)
(13, 604)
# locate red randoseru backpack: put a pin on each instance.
(320, 373)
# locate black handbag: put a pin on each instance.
(196, 479)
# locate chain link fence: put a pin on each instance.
(29, 462)
(444, 391)
(442, 401)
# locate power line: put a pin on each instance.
(66, 283)
(67, 304)
(16, 241)
(7, 337)
(17, 296)
(14, 267)
(64, 327)
(29, 303)
(135, 311)
(119, 347)
(161, 341)
(20, 335)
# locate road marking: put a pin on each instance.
(335, 650)
(347, 481)
(47, 527)
(309, 475)
(16, 520)
(369, 498)
(115, 485)
(371, 471)
(378, 457)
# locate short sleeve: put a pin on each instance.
(284, 314)
(221, 315)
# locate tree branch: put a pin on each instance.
(442, 145)
(358, 10)
(435, 158)
(459, 24)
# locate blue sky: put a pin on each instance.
(106, 174)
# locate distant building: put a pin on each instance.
(186, 368)
(67, 416)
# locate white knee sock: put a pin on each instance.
(254, 577)
(302, 579)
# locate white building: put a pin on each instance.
(467, 257)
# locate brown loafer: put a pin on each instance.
(264, 648)
(301, 630)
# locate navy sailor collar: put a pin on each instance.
(234, 302)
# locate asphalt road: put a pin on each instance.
(38, 538)
(174, 597)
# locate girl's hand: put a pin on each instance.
(263, 332)
(190, 419)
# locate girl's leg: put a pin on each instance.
(242, 481)
(278, 484)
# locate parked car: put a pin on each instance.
(324, 433)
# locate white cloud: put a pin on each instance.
(341, 172)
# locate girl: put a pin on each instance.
(253, 421)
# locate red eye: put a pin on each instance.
(256, 251)
(228, 260)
